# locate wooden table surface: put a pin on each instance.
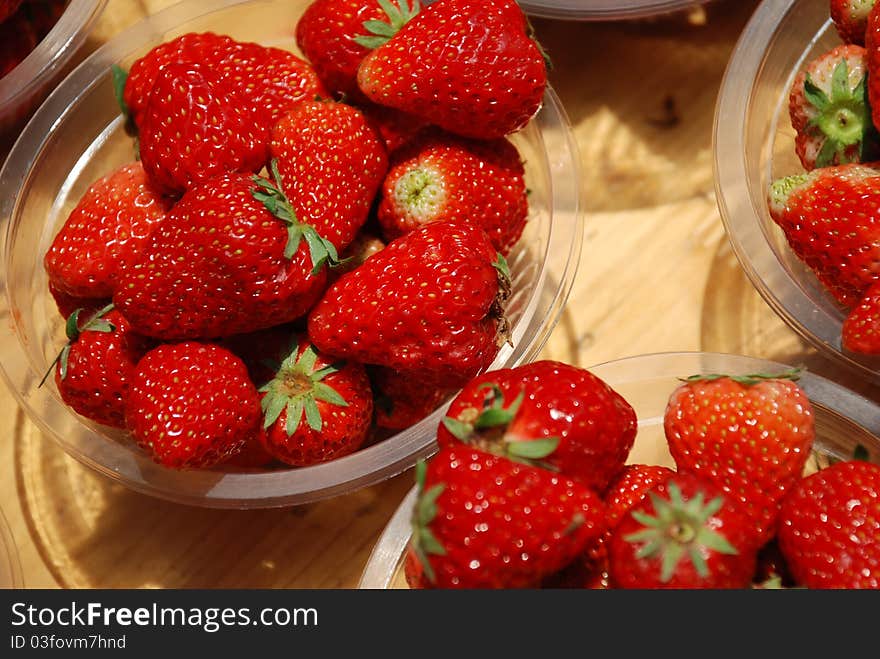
(656, 275)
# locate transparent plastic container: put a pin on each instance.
(603, 10)
(22, 89)
(10, 570)
(78, 136)
(843, 421)
(754, 145)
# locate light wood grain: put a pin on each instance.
(656, 275)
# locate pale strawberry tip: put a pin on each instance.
(95, 323)
(380, 32)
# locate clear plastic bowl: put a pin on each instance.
(604, 10)
(10, 570)
(78, 136)
(843, 421)
(754, 145)
(22, 89)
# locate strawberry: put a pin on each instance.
(8, 8)
(364, 245)
(831, 219)
(402, 399)
(581, 426)
(229, 258)
(396, 127)
(470, 68)
(829, 529)
(851, 19)
(684, 534)
(333, 162)
(67, 304)
(629, 487)
(17, 39)
(482, 521)
(105, 233)
(94, 369)
(192, 405)
(314, 410)
(748, 435)
(438, 177)
(829, 110)
(428, 304)
(861, 329)
(335, 35)
(192, 130)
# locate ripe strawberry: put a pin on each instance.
(229, 258)
(470, 68)
(851, 19)
(861, 329)
(105, 233)
(333, 162)
(67, 304)
(630, 487)
(438, 177)
(95, 367)
(334, 398)
(684, 534)
(748, 435)
(428, 304)
(482, 521)
(831, 219)
(829, 110)
(396, 127)
(335, 35)
(191, 130)
(206, 49)
(563, 415)
(192, 405)
(829, 529)
(8, 8)
(402, 399)
(17, 39)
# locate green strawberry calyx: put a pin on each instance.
(380, 32)
(271, 195)
(296, 388)
(843, 117)
(679, 529)
(95, 323)
(748, 380)
(486, 429)
(423, 541)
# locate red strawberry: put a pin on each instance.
(8, 8)
(563, 415)
(396, 127)
(470, 68)
(221, 263)
(630, 487)
(134, 88)
(335, 35)
(105, 233)
(315, 410)
(192, 405)
(829, 110)
(851, 19)
(482, 521)
(439, 177)
(192, 130)
(861, 329)
(829, 529)
(332, 161)
(67, 304)
(429, 304)
(684, 534)
(748, 435)
(831, 219)
(17, 39)
(872, 46)
(402, 400)
(94, 370)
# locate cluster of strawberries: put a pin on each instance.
(23, 24)
(224, 316)
(831, 214)
(530, 489)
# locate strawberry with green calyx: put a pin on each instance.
(851, 19)
(221, 264)
(482, 521)
(750, 436)
(861, 329)
(335, 35)
(830, 220)
(561, 415)
(314, 410)
(829, 110)
(684, 534)
(96, 365)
